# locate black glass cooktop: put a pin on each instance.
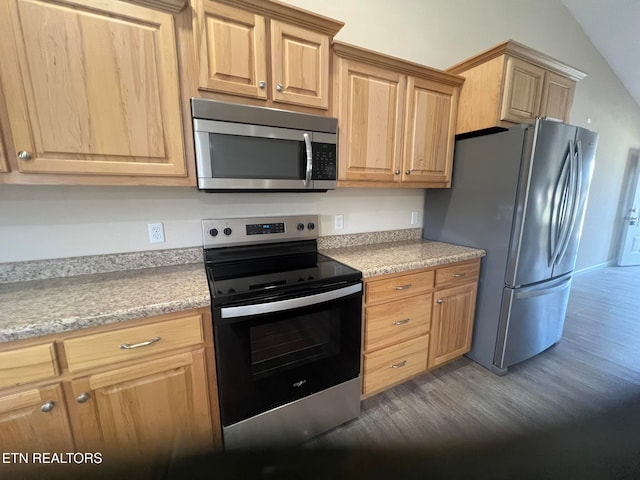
(245, 274)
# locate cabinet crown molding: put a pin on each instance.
(280, 11)
(352, 52)
(518, 50)
(171, 6)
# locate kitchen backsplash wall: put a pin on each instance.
(41, 222)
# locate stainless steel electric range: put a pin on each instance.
(287, 330)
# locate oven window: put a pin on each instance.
(293, 342)
(234, 156)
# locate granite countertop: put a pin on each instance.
(395, 257)
(54, 305)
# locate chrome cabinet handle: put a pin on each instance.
(262, 84)
(399, 365)
(402, 322)
(397, 172)
(404, 287)
(279, 87)
(83, 397)
(24, 155)
(439, 300)
(458, 275)
(129, 346)
(47, 407)
(408, 172)
(309, 149)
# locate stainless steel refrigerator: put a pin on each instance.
(519, 194)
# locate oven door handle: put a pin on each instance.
(290, 304)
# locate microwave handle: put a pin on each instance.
(307, 143)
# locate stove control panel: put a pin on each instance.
(226, 232)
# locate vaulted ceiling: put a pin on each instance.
(614, 29)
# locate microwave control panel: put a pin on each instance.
(324, 161)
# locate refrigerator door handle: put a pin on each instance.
(561, 205)
(577, 192)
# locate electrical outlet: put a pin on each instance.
(414, 218)
(338, 222)
(156, 233)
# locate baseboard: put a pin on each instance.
(608, 263)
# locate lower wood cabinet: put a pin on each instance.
(160, 403)
(35, 420)
(415, 321)
(452, 323)
(160, 407)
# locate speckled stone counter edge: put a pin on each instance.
(71, 266)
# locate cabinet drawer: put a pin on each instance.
(27, 364)
(398, 287)
(132, 342)
(394, 364)
(457, 274)
(397, 321)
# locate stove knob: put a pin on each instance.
(300, 227)
(311, 225)
(213, 232)
(227, 231)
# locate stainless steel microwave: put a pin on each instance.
(247, 148)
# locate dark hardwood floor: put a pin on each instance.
(594, 368)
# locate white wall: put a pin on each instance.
(39, 222)
(48, 222)
(441, 33)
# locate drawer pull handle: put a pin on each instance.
(129, 346)
(458, 275)
(404, 287)
(439, 300)
(47, 407)
(83, 397)
(402, 322)
(399, 365)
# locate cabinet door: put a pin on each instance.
(370, 108)
(299, 66)
(452, 323)
(232, 50)
(92, 87)
(557, 97)
(145, 410)
(522, 91)
(35, 420)
(429, 132)
(4, 164)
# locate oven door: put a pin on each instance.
(238, 156)
(269, 354)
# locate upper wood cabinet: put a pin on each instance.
(4, 148)
(4, 164)
(92, 92)
(397, 120)
(263, 50)
(512, 83)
